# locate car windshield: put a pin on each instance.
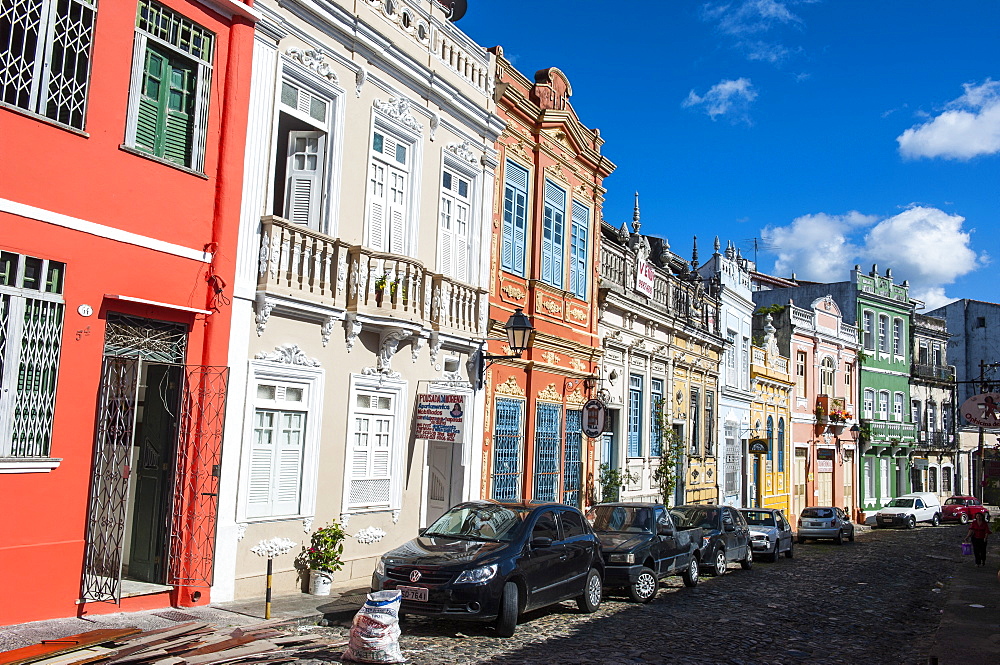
(758, 517)
(825, 513)
(631, 519)
(481, 521)
(955, 502)
(686, 517)
(901, 503)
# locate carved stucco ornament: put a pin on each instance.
(398, 108)
(289, 354)
(314, 59)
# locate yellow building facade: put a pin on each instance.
(771, 419)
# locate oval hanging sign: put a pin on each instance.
(982, 410)
(757, 446)
(594, 416)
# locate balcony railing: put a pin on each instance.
(936, 440)
(939, 372)
(305, 265)
(881, 432)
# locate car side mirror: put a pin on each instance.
(664, 529)
(729, 527)
(541, 542)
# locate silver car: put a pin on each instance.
(770, 532)
(825, 522)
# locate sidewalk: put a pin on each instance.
(969, 633)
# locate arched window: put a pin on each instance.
(781, 445)
(770, 438)
(932, 479)
(826, 370)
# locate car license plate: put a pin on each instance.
(413, 593)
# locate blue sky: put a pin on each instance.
(836, 132)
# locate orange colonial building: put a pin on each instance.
(546, 230)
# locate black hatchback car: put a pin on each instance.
(487, 561)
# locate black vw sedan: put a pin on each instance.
(487, 561)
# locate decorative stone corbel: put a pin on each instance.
(388, 344)
(353, 328)
(435, 347)
(395, 516)
(327, 329)
(307, 523)
(241, 530)
(360, 77)
(263, 307)
(345, 519)
(416, 346)
(434, 124)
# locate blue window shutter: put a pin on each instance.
(770, 438)
(635, 416)
(578, 250)
(553, 235)
(572, 459)
(548, 444)
(507, 438)
(655, 407)
(515, 195)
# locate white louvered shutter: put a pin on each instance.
(446, 236)
(398, 193)
(377, 206)
(304, 182)
(262, 456)
(288, 470)
(371, 453)
(462, 241)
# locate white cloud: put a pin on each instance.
(749, 16)
(924, 245)
(727, 97)
(969, 127)
(816, 247)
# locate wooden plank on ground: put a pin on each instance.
(259, 646)
(49, 648)
(80, 657)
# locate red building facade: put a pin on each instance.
(115, 260)
(547, 212)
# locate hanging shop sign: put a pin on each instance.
(982, 410)
(441, 418)
(757, 446)
(594, 416)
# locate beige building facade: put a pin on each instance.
(362, 281)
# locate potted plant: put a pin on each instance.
(323, 557)
(380, 284)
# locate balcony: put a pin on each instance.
(881, 432)
(309, 267)
(936, 440)
(937, 372)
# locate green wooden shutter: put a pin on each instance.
(165, 122)
(147, 124)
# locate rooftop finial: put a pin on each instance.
(716, 246)
(635, 214)
(694, 254)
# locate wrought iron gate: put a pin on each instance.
(196, 487)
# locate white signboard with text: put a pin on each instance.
(441, 418)
(644, 277)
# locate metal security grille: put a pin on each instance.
(196, 488)
(655, 415)
(154, 341)
(507, 438)
(31, 326)
(547, 454)
(109, 486)
(176, 30)
(572, 461)
(45, 57)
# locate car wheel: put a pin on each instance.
(590, 600)
(645, 587)
(839, 538)
(801, 539)
(987, 516)
(747, 563)
(935, 520)
(851, 537)
(911, 522)
(719, 567)
(788, 554)
(774, 556)
(963, 518)
(690, 576)
(507, 618)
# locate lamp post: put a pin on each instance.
(519, 337)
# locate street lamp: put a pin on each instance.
(519, 337)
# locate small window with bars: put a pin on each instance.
(32, 314)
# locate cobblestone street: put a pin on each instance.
(877, 600)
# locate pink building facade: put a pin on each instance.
(823, 358)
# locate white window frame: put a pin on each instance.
(883, 333)
(897, 407)
(827, 376)
(311, 379)
(333, 127)
(869, 402)
(884, 491)
(869, 478)
(399, 433)
(897, 337)
(883, 405)
(947, 476)
(868, 330)
(800, 374)
(457, 168)
(388, 126)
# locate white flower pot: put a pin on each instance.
(320, 582)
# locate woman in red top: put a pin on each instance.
(979, 531)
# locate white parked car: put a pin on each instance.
(909, 509)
